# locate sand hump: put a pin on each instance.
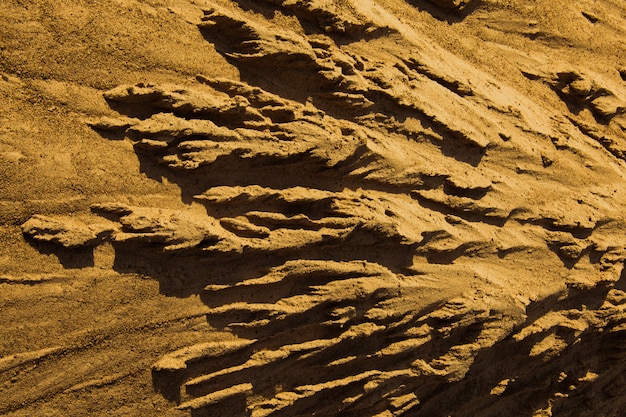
(313, 208)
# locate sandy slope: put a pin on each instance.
(295, 208)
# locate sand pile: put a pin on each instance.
(297, 208)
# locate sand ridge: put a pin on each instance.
(372, 208)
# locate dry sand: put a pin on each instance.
(290, 208)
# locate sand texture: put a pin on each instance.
(357, 208)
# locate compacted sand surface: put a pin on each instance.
(284, 208)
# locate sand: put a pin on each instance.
(312, 208)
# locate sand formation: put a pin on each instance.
(382, 208)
